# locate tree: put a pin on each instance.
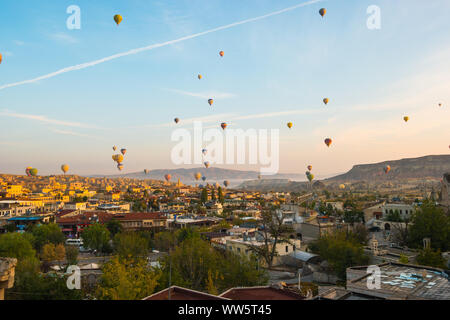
(403, 259)
(48, 253)
(125, 279)
(196, 265)
(341, 250)
(96, 237)
(60, 252)
(47, 233)
(131, 245)
(361, 233)
(220, 195)
(114, 227)
(16, 245)
(430, 222)
(393, 216)
(72, 255)
(431, 258)
(204, 196)
(274, 232)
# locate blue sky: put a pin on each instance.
(275, 70)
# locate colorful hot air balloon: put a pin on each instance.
(290, 125)
(342, 186)
(118, 158)
(114, 148)
(224, 126)
(123, 151)
(326, 101)
(259, 177)
(33, 172)
(120, 167)
(323, 12)
(65, 168)
(211, 102)
(168, 177)
(27, 171)
(207, 164)
(387, 169)
(221, 53)
(204, 179)
(406, 118)
(226, 183)
(199, 77)
(310, 167)
(328, 142)
(198, 176)
(176, 120)
(440, 104)
(205, 152)
(145, 171)
(118, 19)
(309, 176)
(1, 58)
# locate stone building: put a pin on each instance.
(445, 190)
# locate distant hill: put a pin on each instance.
(426, 167)
(423, 168)
(213, 175)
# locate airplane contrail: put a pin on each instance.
(153, 46)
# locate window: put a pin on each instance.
(287, 249)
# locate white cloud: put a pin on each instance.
(205, 95)
(44, 119)
(63, 37)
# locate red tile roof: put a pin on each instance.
(178, 293)
(133, 216)
(261, 293)
(83, 218)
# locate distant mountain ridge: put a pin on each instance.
(433, 166)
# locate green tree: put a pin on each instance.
(131, 245)
(341, 250)
(96, 237)
(196, 265)
(431, 258)
(16, 245)
(430, 222)
(72, 255)
(220, 195)
(204, 196)
(125, 279)
(48, 252)
(403, 259)
(393, 216)
(47, 233)
(114, 227)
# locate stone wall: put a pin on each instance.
(7, 271)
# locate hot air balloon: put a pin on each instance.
(259, 177)
(205, 152)
(168, 177)
(27, 171)
(120, 167)
(328, 142)
(207, 164)
(224, 126)
(200, 77)
(200, 186)
(118, 158)
(1, 58)
(211, 102)
(204, 179)
(177, 120)
(406, 119)
(114, 148)
(323, 12)
(310, 176)
(342, 186)
(387, 169)
(145, 171)
(65, 168)
(326, 101)
(198, 176)
(123, 151)
(290, 125)
(33, 172)
(118, 19)
(226, 183)
(310, 168)
(221, 53)
(440, 104)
